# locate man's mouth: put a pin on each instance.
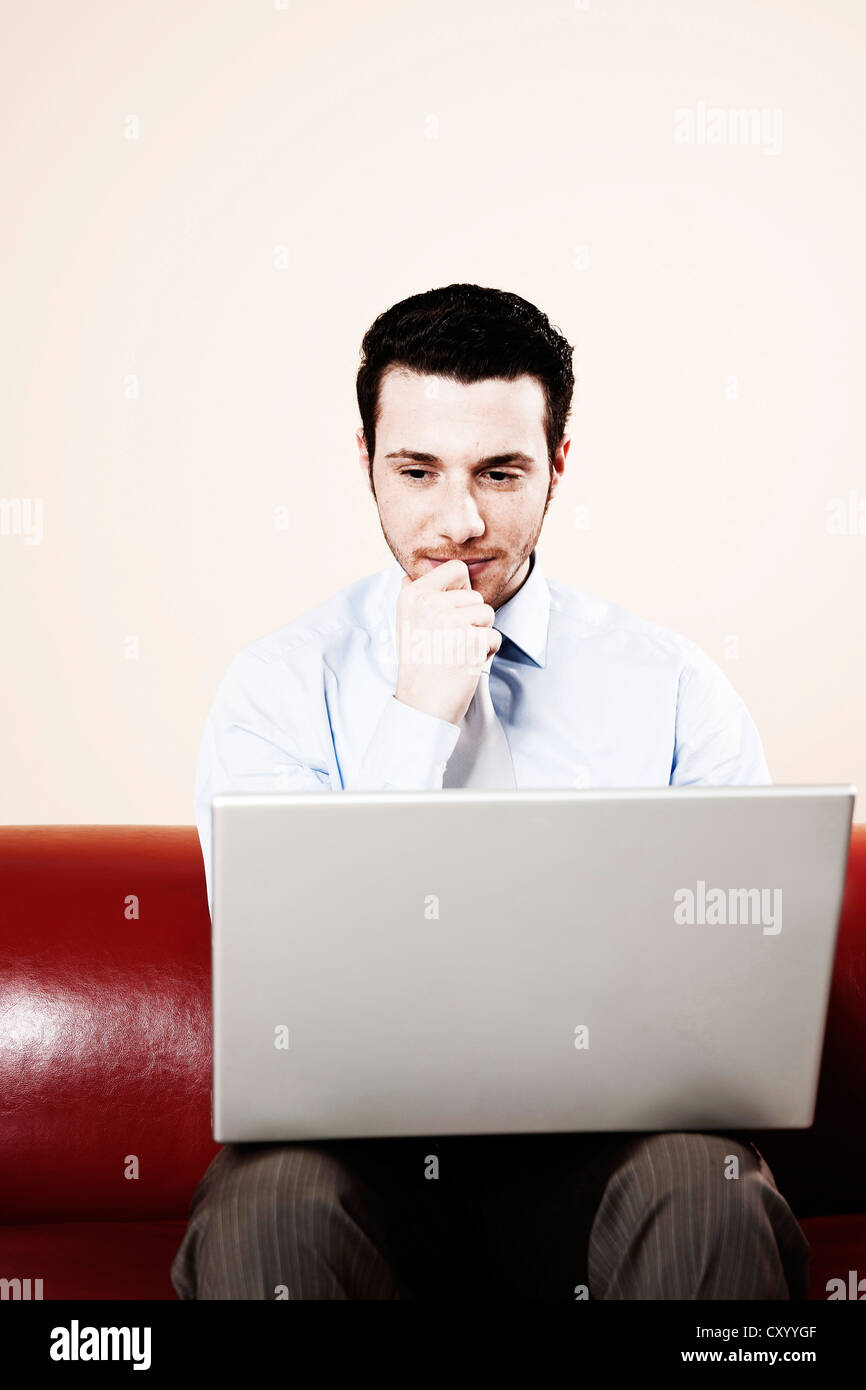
(474, 566)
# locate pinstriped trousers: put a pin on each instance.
(549, 1216)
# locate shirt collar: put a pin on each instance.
(523, 620)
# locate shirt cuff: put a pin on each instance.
(408, 752)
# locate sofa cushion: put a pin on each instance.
(838, 1245)
(93, 1259)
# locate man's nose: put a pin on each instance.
(459, 517)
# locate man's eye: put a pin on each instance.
(418, 474)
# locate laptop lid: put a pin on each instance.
(470, 962)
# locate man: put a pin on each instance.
(403, 681)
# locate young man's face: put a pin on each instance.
(464, 498)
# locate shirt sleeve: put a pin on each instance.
(252, 742)
(257, 738)
(717, 743)
(408, 751)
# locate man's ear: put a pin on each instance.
(363, 457)
(559, 465)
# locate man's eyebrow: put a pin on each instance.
(490, 461)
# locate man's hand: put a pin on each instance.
(445, 637)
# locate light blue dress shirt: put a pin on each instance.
(589, 695)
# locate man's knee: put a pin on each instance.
(696, 1166)
(256, 1176)
(699, 1212)
(288, 1220)
(260, 1218)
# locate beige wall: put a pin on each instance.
(207, 204)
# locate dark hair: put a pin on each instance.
(469, 333)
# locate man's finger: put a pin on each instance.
(454, 574)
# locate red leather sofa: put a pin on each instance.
(105, 1053)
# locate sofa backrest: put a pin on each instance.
(105, 1007)
(822, 1170)
(105, 1032)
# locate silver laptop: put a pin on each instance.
(468, 962)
